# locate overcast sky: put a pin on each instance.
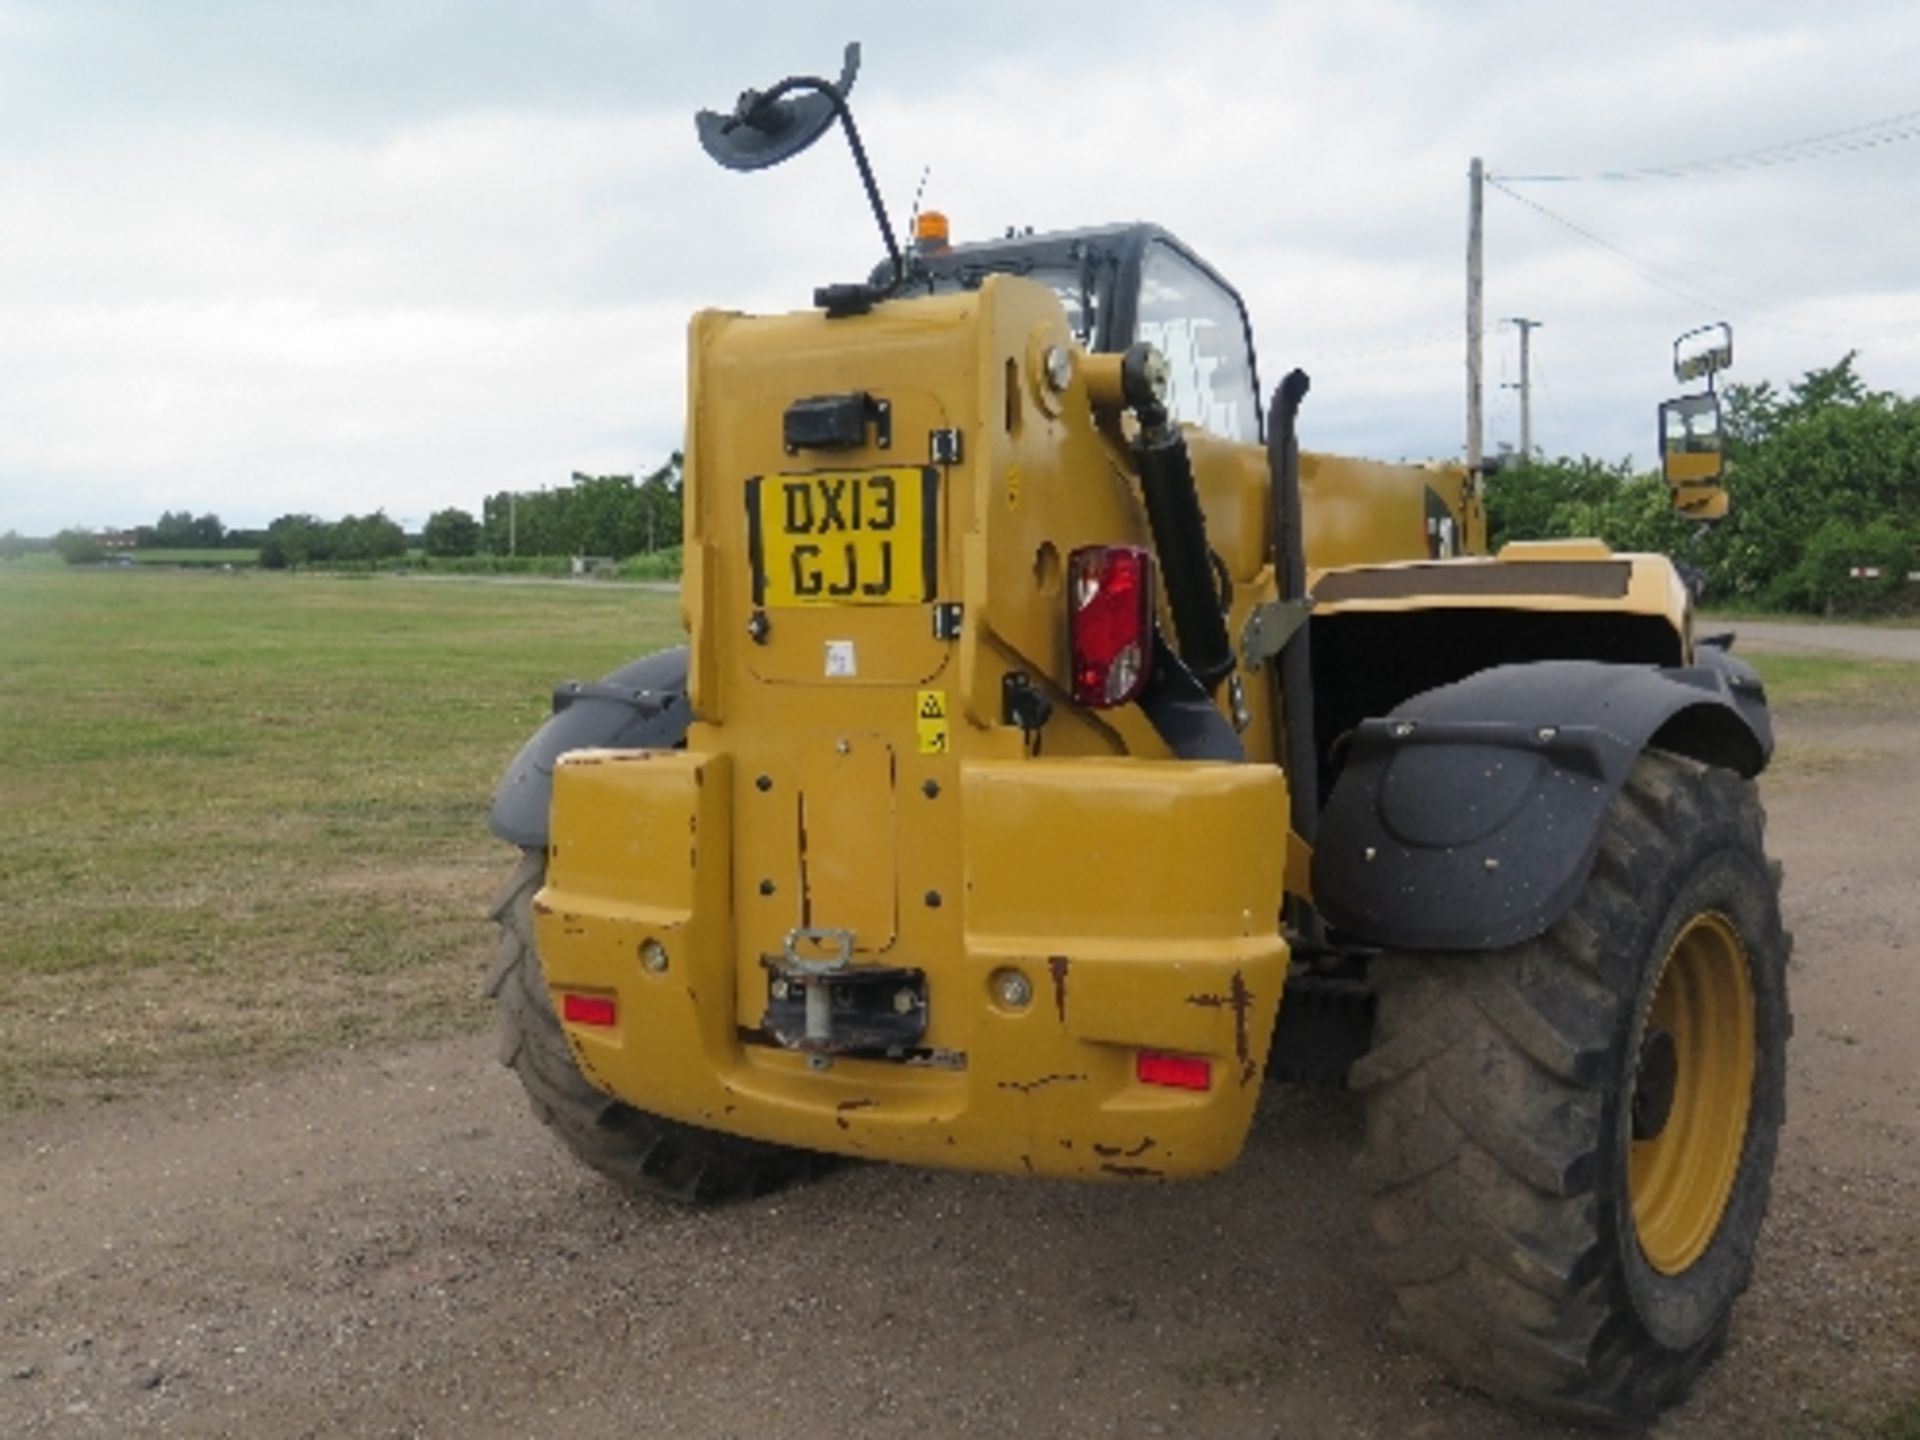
(259, 258)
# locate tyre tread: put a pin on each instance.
(639, 1151)
(1483, 1099)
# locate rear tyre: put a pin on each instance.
(640, 1152)
(1570, 1141)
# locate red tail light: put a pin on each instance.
(1176, 1072)
(1110, 622)
(578, 1009)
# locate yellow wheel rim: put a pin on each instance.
(1693, 1088)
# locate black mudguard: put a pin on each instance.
(1469, 817)
(639, 706)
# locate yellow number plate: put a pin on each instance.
(854, 537)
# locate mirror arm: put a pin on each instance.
(748, 113)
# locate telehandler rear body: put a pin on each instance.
(1058, 751)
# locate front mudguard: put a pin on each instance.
(1469, 817)
(639, 706)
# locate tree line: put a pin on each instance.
(1824, 479)
(611, 515)
(299, 540)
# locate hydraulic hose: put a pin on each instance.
(1179, 527)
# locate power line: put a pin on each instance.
(1891, 130)
(1645, 271)
(1650, 273)
(1651, 265)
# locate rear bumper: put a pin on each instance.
(1140, 899)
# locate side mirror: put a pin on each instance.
(1703, 353)
(1691, 456)
(765, 128)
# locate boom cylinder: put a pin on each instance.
(1179, 526)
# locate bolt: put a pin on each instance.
(904, 1001)
(766, 887)
(1545, 733)
(1012, 989)
(653, 955)
(933, 899)
(818, 1063)
(1403, 729)
(930, 788)
(845, 747)
(758, 627)
(1368, 854)
(1491, 863)
(763, 782)
(780, 989)
(1058, 365)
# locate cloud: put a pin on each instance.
(258, 258)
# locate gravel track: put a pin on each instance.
(1787, 637)
(386, 1244)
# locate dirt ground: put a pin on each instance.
(1785, 637)
(386, 1244)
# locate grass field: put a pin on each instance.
(245, 814)
(1835, 679)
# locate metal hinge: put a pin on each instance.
(1270, 627)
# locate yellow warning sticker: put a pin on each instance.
(930, 721)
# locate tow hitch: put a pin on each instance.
(819, 1001)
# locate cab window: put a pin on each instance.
(1077, 288)
(1199, 327)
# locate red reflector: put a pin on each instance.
(586, 1009)
(1110, 622)
(1176, 1072)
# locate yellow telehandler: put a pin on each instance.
(1058, 752)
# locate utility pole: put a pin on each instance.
(1476, 175)
(1525, 387)
(513, 515)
